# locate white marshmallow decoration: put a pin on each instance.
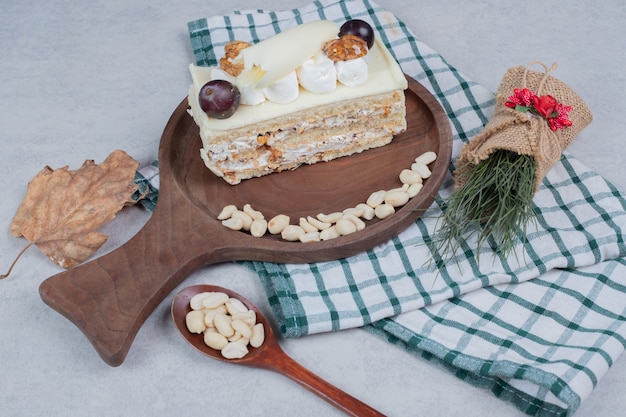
(285, 90)
(353, 72)
(249, 95)
(318, 74)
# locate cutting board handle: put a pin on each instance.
(109, 298)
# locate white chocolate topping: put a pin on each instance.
(283, 53)
(383, 75)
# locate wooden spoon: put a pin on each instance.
(268, 356)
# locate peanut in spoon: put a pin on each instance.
(268, 356)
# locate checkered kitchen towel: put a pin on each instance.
(539, 329)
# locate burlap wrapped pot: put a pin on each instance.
(523, 133)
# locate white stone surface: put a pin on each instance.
(80, 79)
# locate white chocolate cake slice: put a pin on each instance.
(302, 109)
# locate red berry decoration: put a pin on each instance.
(219, 99)
(359, 28)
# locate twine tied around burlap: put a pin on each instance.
(524, 133)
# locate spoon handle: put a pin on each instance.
(340, 399)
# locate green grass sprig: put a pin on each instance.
(494, 203)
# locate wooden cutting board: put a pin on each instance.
(110, 297)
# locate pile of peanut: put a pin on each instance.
(380, 204)
(228, 325)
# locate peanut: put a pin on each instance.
(367, 211)
(234, 350)
(245, 219)
(408, 176)
(360, 224)
(222, 324)
(427, 158)
(215, 340)
(248, 317)
(258, 227)
(226, 212)
(308, 227)
(318, 224)
(277, 224)
(310, 237)
(384, 210)
(196, 301)
(401, 189)
(233, 223)
(254, 214)
(238, 337)
(345, 226)
(292, 232)
(414, 189)
(396, 198)
(210, 314)
(330, 233)
(242, 328)
(195, 321)
(376, 198)
(214, 299)
(421, 169)
(353, 211)
(234, 306)
(330, 218)
(258, 335)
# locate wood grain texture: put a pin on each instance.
(109, 298)
(268, 356)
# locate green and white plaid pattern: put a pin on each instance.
(538, 329)
(147, 180)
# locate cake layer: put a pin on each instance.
(318, 134)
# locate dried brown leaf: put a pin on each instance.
(62, 209)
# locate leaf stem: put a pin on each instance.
(3, 276)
